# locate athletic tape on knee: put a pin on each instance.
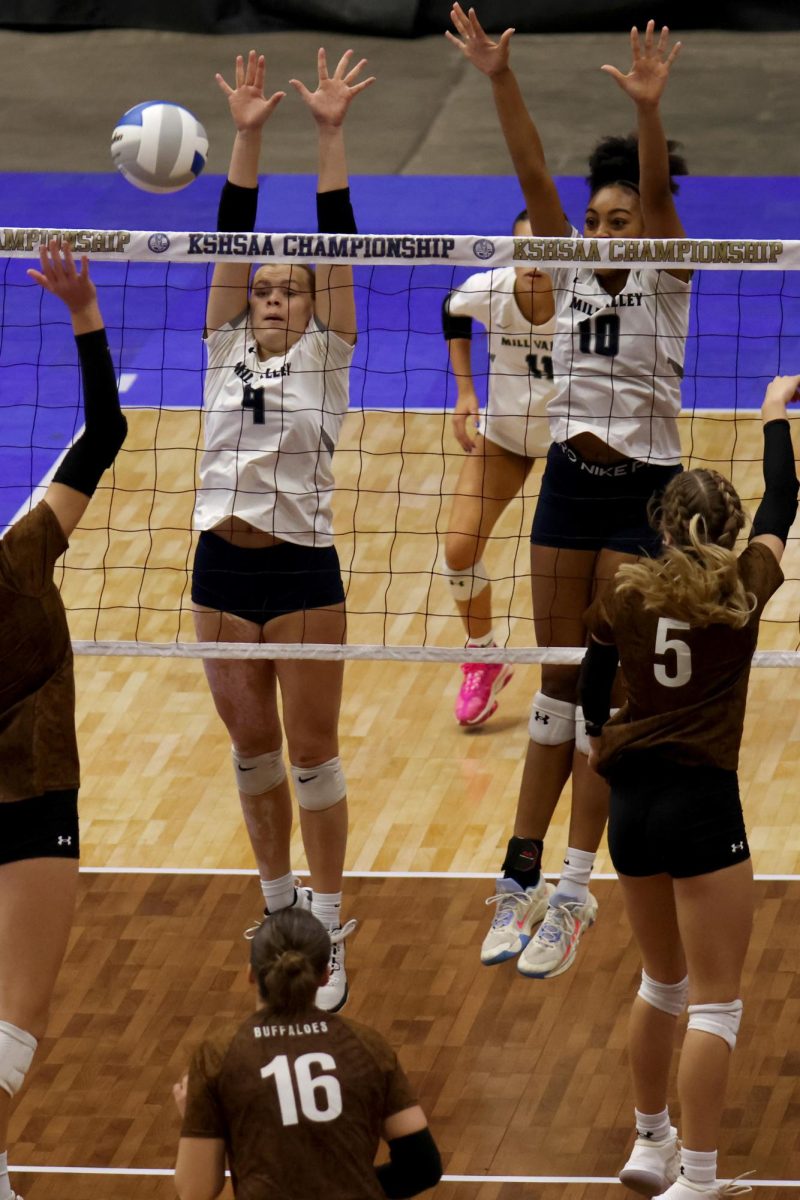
(320, 787)
(723, 1020)
(259, 774)
(467, 583)
(581, 736)
(17, 1049)
(552, 722)
(667, 997)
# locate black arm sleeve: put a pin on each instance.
(777, 510)
(237, 208)
(455, 327)
(595, 682)
(335, 212)
(414, 1165)
(99, 444)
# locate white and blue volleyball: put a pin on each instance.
(159, 147)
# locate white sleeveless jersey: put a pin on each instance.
(271, 427)
(520, 362)
(618, 361)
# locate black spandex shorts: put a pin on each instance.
(676, 820)
(585, 505)
(262, 584)
(41, 827)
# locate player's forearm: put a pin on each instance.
(245, 156)
(461, 365)
(520, 133)
(105, 425)
(654, 176)
(332, 174)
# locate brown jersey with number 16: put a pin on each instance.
(299, 1104)
(686, 687)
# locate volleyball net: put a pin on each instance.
(126, 579)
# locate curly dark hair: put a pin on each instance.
(616, 160)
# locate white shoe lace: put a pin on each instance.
(555, 924)
(735, 1187)
(337, 937)
(507, 902)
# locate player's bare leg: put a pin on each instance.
(490, 478)
(654, 1162)
(37, 905)
(245, 697)
(715, 917)
(311, 693)
(561, 582)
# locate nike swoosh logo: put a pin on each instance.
(305, 778)
(241, 768)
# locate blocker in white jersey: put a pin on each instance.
(520, 368)
(618, 355)
(271, 427)
(265, 567)
(618, 361)
(516, 306)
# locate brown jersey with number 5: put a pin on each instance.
(299, 1104)
(686, 687)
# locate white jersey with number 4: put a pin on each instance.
(618, 361)
(520, 362)
(271, 427)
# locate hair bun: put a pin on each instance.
(291, 962)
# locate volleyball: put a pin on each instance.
(159, 147)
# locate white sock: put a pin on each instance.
(6, 1190)
(278, 893)
(482, 642)
(699, 1166)
(653, 1126)
(326, 907)
(574, 881)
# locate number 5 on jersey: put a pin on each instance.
(305, 1087)
(677, 671)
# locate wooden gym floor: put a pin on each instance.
(520, 1080)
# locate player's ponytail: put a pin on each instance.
(289, 955)
(615, 161)
(696, 579)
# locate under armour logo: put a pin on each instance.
(65, 841)
(736, 846)
(543, 717)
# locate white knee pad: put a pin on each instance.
(467, 583)
(17, 1049)
(667, 997)
(259, 774)
(320, 787)
(723, 1020)
(552, 722)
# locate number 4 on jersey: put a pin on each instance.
(253, 398)
(307, 1086)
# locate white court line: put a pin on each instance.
(361, 874)
(540, 1179)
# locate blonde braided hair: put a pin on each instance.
(696, 579)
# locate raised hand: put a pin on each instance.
(329, 103)
(250, 108)
(59, 276)
(783, 390)
(476, 45)
(650, 66)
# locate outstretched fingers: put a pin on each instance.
(322, 64)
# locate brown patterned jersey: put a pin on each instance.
(38, 748)
(299, 1104)
(686, 687)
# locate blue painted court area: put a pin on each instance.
(745, 326)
